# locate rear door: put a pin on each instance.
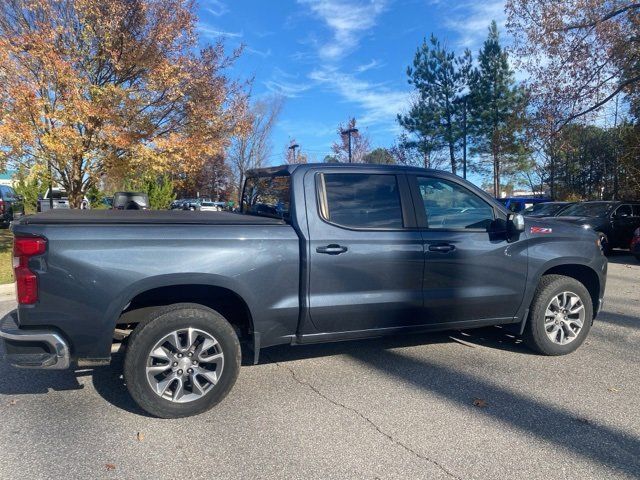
(472, 272)
(366, 254)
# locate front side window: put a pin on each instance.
(624, 211)
(267, 196)
(359, 200)
(451, 206)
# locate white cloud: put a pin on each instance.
(378, 103)
(210, 32)
(215, 7)
(470, 21)
(369, 66)
(347, 21)
(286, 84)
(261, 53)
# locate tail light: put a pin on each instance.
(26, 281)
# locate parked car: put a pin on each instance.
(318, 253)
(545, 209)
(518, 204)
(191, 204)
(130, 201)
(11, 205)
(634, 246)
(613, 221)
(210, 206)
(56, 197)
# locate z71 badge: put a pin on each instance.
(541, 230)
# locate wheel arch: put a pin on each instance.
(154, 293)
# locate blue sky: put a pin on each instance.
(333, 59)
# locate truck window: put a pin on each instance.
(268, 196)
(452, 207)
(360, 200)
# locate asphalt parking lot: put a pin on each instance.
(455, 405)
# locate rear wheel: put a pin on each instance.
(182, 361)
(560, 316)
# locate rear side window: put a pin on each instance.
(453, 207)
(268, 196)
(358, 200)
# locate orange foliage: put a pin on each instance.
(112, 87)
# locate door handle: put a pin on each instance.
(442, 248)
(333, 249)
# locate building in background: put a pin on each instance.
(6, 178)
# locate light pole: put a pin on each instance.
(349, 132)
(293, 147)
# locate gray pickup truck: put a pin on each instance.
(318, 253)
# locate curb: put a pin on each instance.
(7, 291)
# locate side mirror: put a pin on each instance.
(515, 223)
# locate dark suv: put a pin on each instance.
(614, 221)
(11, 205)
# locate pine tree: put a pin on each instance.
(496, 109)
(436, 117)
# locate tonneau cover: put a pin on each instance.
(64, 216)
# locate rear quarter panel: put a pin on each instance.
(91, 272)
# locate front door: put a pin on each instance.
(625, 219)
(471, 273)
(366, 256)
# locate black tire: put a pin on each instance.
(535, 335)
(161, 323)
(604, 243)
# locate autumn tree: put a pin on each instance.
(92, 87)
(580, 54)
(359, 143)
(497, 108)
(440, 79)
(251, 148)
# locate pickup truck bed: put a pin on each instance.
(144, 217)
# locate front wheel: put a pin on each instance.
(182, 361)
(560, 316)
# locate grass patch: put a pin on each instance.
(6, 256)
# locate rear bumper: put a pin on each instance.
(39, 348)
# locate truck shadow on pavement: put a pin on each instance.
(568, 430)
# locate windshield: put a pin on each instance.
(595, 209)
(544, 209)
(267, 196)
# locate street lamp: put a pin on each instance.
(293, 147)
(349, 132)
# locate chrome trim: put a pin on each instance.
(9, 330)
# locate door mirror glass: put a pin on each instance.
(515, 223)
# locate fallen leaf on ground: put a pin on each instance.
(140, 437)
(480, 402)
(12, 402)
(613, 389)
(584, 420)
(109, 466)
